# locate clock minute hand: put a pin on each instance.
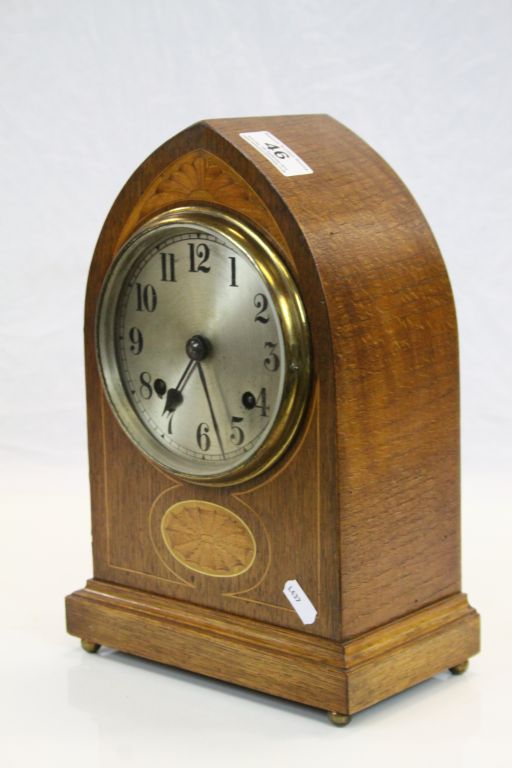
(214, 420)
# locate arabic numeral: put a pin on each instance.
(137, 340)
(168, 267)
(198, 256)
(271, 362)
(203, 439)
(277, 151)
(145, 389)
(146, 298)
(237, 435)
(261, 304)
(233, 283)
(261, 402)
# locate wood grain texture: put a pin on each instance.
(127, 545)
(364, 508)
(322, 673)
(394, 340)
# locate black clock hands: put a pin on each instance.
(197, 349)
(174, 394)
(212, 414)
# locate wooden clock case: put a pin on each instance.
(364, 508)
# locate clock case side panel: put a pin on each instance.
(319, 513)
(394, 334)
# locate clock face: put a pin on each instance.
(203, 346)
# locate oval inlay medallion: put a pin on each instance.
(208, 538)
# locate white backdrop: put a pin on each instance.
(87, 90)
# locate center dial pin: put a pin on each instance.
(198, 347)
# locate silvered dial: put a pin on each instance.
(198, 360)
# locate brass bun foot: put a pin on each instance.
(89, 647)
(459, 669)
(338, 719)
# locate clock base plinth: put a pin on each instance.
(339, 677)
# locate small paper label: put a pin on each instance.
(300, 602)
(284, 158)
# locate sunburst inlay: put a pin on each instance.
(208, 538)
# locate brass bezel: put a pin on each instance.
(294, 327)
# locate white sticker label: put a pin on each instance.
(300, 602)
(278, 153)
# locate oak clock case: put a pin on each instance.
(273, 415)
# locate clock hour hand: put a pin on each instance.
(173, 399)
(174, 394)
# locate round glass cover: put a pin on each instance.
(203, 346)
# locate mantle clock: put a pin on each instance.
(273, 414)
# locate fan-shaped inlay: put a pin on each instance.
(208, 538)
